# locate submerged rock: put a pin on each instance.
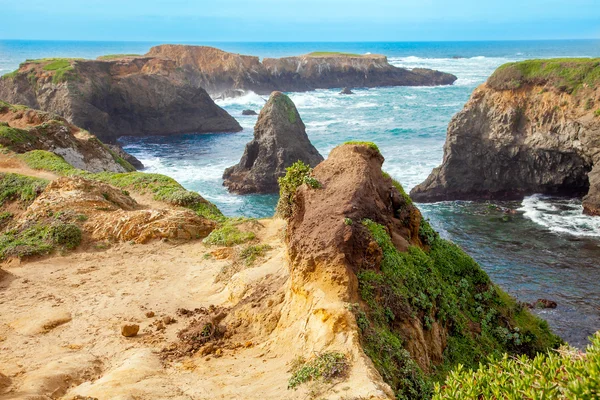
(249, 112)
(346, 91)
(527, 130)
(279, 141)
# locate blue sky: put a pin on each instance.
(299, 20)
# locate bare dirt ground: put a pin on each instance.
(60, 325)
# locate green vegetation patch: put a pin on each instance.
(398, 187)
(45, 160)
(445, 285)
(326, 367)
(295, 176)
(163, 188)
(39, 240)
(228, 234)
(283, 101)
(564, 74)
(109, 57)
(11, 75)
(12, 107)
(21, 188)
(370, 145)
(254, 252)
(566, 374)
(10, 136)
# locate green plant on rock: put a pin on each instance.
(283, 101)
(597, 113)
(294, 177)
(326, 366)
(565, 374)
(370, 145)
(10, 136)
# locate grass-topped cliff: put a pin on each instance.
(340, 54)
(564, 74)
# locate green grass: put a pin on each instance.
(567, 374)
(57, 64)
(45, 160)
(109, 57)
(11, 75)
(370, 145)
(398, 187)
(597, 113)
(21, 188)
(254, 252)
(294, 177)
(228, 234)
(326, 367)
(163, 188)
(333, 54)
(440, 284)
(10, 136)
(565, 74)
(39, 240)
(12, 107)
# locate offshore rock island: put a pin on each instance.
(534, 127)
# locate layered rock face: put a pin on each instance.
(23, 129)
(222, 73)
(279, 141)
(523, 133)
(118, 97)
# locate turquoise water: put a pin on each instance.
(546, 250)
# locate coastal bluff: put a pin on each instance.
(223, 73)
(533, 127)
(118, 96)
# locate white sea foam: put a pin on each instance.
(248, 99)
(560, 215)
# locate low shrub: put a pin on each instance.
(294, 177)
(326, 366)
(39, 239)
(563, 374)
(370, 145)
(254, 252)
(228, 234)
(19, 187)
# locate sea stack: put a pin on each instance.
(527, 130)
(279, 141)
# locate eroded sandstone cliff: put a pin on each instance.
(534, 127)
(113, 97)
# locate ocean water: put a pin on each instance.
(547, 249)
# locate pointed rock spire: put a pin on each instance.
(279, 141)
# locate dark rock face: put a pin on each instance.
(118, 150)
(225, 74)
(279, 141)
(130, 96)
(346, 91)
(249, 112)
(507, 144)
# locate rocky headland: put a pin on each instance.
(533, 127)
(279, 141)
(118, 96)
(223, 73)
(351, 293)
